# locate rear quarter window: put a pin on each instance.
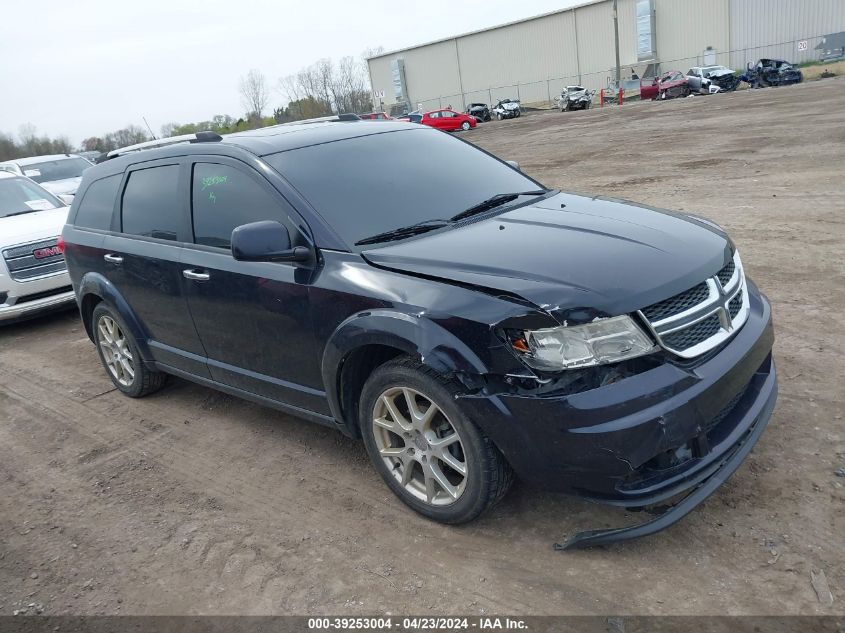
(151, 203)
(95, 210)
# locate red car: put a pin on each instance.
(448, 120)
(376, 116)
(670, 85)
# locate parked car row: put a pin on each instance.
(715, 79)
(444, 119)
(59, 174)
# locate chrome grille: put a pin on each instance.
(701, 331)
(678, 303)
(701, 318)
(23, 265)
(726, 274)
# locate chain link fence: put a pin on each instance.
(541, 93)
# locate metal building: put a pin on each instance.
(533, 59)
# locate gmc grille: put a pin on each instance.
(23, 265)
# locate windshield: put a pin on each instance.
(377, 183)
(18, 195)
(58, 169)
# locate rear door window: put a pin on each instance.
(224, 198)
(151, 204)
(95, 210)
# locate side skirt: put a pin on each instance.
(298, 412)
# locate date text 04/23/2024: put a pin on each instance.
(417, 623)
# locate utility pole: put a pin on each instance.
(616, 42)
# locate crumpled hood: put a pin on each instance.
(594, 255)
(68, 185)
(719, 73)
(510, 106)
(29, 227)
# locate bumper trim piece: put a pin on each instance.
(32, 308)
(674, 513)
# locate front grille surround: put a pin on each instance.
(23, 266)
(703, 325)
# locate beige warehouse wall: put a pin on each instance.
(430, 71)
(685, 29)
(381, 78)
(526, 52)
(773, 28)
(596, 50)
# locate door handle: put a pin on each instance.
(113, 259)
(193, 275)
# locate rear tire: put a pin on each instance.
(414, 447)
(119, 355)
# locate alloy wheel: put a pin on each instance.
(420, 446)
(115, 350)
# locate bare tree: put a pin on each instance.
(254, 92)
(291, 89)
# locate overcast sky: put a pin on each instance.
(86, 67)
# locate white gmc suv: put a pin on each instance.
(33, 275)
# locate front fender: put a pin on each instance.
(415, 334)
(93, 283)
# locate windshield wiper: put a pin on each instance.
(405, 231)
(495, 201)
(8, 215)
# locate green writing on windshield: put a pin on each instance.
(210, 181)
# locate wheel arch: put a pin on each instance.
(369, 339)
(94, 289)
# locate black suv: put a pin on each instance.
(465, 321)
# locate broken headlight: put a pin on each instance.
(598, 343)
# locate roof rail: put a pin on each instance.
(346, 116)
(200, 137)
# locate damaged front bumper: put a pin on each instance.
(694, 491)
(668, 436)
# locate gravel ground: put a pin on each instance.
(194, 502)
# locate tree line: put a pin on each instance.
(321, 89)
(29, 143)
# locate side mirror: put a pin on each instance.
(266, 241)
(67, 198)
(513, 164)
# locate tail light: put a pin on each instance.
(60, 243)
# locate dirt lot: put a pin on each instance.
(194, 502)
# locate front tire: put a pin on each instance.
(425, 448)
(465, 126)
(119, 354)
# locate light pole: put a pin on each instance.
(616, 43)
